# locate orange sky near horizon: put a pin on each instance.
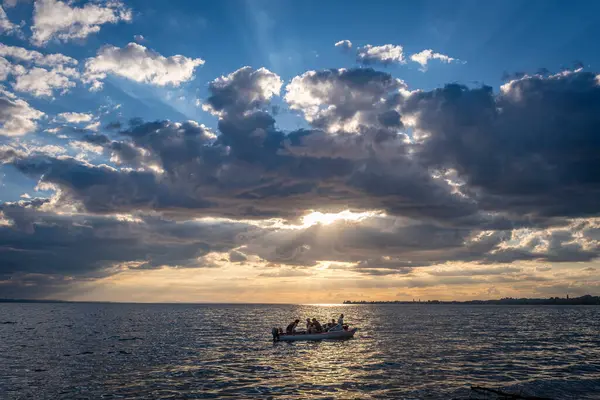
(321, 284)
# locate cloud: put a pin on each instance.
(6, 68)
(345, 100)
(527, 150)
(12, 3)
(6, 26)
(55, 19)
(252, 170)
(373, 245)
(58, 73)
(139, 38)
(139, 64)
(17, 117)
(386, 54)
(32, 56)
(94, 126)
(344, 45)
(285, 273)
(40, 82)
(104, 189)
(453, 176)
(423, 57)
(39, 242)
(475, 271)
(236, 256)
(242, 90)
(574, 242)
(75, 117)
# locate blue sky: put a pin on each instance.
(290, 37)
(446, 145)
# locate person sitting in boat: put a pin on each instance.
(332, 323)
(340, 324)
(291, 328)
(308, 325)
(316, 326)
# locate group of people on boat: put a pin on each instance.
(314, 326)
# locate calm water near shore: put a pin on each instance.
(160, 351)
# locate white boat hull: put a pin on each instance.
(318, 336)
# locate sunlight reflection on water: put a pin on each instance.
(209, 351)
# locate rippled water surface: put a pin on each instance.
(56, 351)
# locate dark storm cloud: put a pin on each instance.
(104, 189)
(531, 149)
(389, 245)
(375, 243)
(121, 152)
(115, 125)
(575, 243)
(37, 286)
(37, 242)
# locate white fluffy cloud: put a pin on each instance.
(242, 90)
(42, 82)
(344, 44)
(93, 126)
(17, 117)
(386, 54)
(26, 55)
(5, 68)
(58, 76)
(54, 19)
(7, 27)
(140, 64)
(346, 100)
(75, 117)
(424, 56)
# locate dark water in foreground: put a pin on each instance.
(68, 351)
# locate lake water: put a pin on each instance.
(77, 351)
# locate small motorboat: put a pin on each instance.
(341, 334)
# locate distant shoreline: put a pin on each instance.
(586, 300)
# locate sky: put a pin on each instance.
(299, 151)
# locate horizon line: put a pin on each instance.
(343, 303)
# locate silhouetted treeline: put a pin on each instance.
(575, 301)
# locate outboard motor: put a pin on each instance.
(275, 333)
